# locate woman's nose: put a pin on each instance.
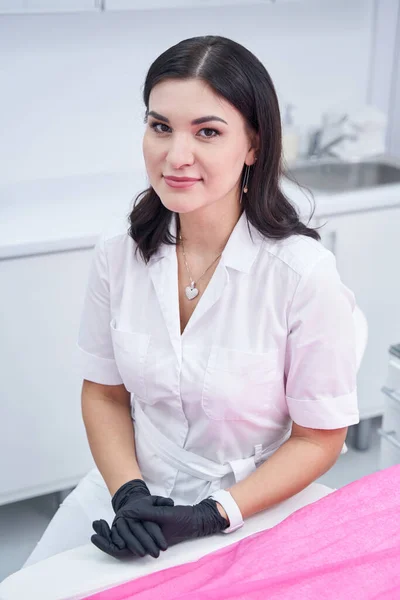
(180, 152)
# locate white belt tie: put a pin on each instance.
(197, 465)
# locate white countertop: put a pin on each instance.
(329, 204)
(52, 215)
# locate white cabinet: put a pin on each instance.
(390, 430)
(15, 7)
(9, 7)
(43, 440)
(157, 4)
(366, 245)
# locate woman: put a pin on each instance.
(217, 340)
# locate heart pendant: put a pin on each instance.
(191, 292)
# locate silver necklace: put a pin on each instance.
(191, 290)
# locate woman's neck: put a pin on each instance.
(205, 234)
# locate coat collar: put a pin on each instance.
(240, 251)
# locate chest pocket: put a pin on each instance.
(130, 350)
(238, 386)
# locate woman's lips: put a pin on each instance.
(180, 183)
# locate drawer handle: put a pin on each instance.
(392, 394)
(390, 437)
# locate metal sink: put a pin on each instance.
(343, 177)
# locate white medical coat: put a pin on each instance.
(271, 341)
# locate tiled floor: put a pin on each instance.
(22, 523)
(21, 526)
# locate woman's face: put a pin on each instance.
(193, 133)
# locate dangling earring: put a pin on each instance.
(245, 187)
(246, 180)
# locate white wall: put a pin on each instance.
(393, 136)
(384, 89)
(70, 99)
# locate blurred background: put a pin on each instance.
(71, 125)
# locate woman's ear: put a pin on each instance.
(253, 150)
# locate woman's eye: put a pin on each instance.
(209, 133)
(158, 127)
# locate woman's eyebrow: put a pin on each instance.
(198, 121)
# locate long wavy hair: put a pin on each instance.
(237, 75)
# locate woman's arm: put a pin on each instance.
(107, 417)
(320, 387)
(306, 456)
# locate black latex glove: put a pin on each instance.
(132, 537)
(179, 523)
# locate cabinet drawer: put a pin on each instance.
(391, 413)
(390, 450)
(393, 376)
(390, 431)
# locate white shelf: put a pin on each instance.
(15, 7)
(111, 5)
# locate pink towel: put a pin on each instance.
(345, 546)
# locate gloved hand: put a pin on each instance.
(132, 536)
(179, 523)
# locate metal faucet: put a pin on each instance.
(315, 150)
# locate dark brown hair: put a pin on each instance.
(237, 75)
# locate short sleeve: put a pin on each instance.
(320, 366)
(96, 360)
